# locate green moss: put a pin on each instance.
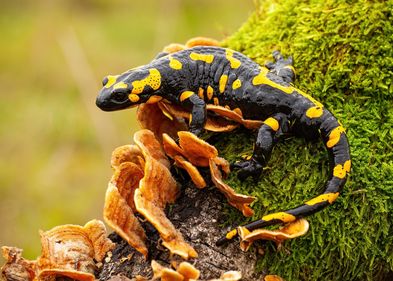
(343, 53)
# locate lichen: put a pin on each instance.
(343, 52)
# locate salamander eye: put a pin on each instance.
(120, 96)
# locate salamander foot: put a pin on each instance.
(248, 168)
(282, 67)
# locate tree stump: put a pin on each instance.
(198, 214)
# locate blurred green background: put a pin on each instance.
(55, 144)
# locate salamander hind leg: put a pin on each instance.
(268, 135)
(282, 67)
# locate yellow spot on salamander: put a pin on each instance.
(246, 157)
(153, 80)
(314, 101)
(216, 102)
(185, 95)
(231, 234)
(340, 171)
(111, 80)
(282, 216)
(330, 197)
(223, 82)
(174, 63)
(272, 123)
(261, 78)
(209, 92)
(120, 85)
(347, 166)
(314, 112)
(133, 97)
(235, 63)
(153, 99)
(236, 84)
(202, 57)
(334, 136)
(201, 93)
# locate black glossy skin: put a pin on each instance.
(272, 97)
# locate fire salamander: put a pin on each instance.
(194, 77)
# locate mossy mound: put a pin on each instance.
(343, 52)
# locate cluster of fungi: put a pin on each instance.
(142, 184)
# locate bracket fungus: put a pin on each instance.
(71, 251)
(119, 206)
(142, 183)
(273, 278)
(164, 117)
(288, 231)
(187, 272)
(166, 121)
(67, 251)
(219, 118)
(193, 152)
(159, 121)
(17, 268)
(193, 42)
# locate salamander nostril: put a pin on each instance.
(105, 81)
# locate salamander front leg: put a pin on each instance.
(198, 111)
(268, 135)
(282, 67)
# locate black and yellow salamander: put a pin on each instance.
(194, 77)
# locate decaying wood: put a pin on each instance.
(197, 214)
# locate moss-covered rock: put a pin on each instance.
(343, 53)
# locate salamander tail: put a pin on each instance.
(336, 142)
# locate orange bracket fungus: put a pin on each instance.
(165, 121)
(193, 152)
(143, 183)
(213, 123)
(156, 189)
(67, 251)
(119, 206)
(163, 117)
(273, 278)
(219, 118)
(17, 268)
(288, 231)
(230, 276)
(167, 274)
(71, 251)
(159, 121)
(193, 42)
(187, 272)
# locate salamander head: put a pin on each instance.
(131, 88)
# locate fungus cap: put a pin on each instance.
(65, 244)
(288, 231)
